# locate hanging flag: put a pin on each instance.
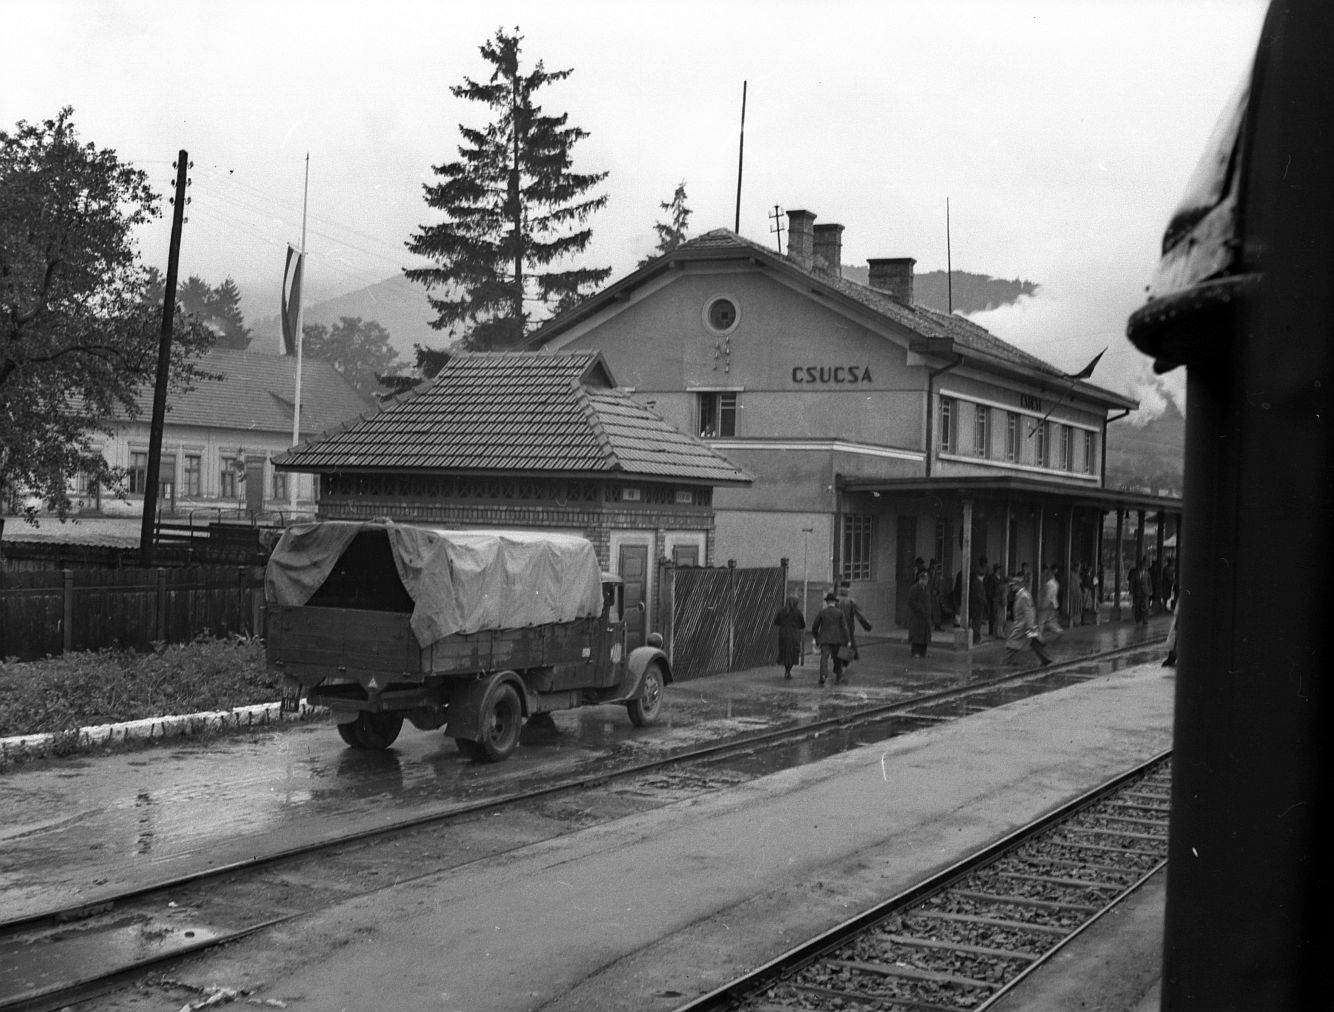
(1087, 371)
(291, 313)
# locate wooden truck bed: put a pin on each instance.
(313, 643)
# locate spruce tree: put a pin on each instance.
(672, 232)
(515, 211)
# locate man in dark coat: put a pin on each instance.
(852, 611)
(831, 633)
(990, 588)
(919, 615)
(791, 627)
(977, 600)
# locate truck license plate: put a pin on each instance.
(291, 696)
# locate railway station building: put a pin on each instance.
(878, 432)
(522, 441)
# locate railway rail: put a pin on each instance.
(965, 938)
(61, 957)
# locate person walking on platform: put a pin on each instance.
(919, 616)
(994, 587)
(1141, 590)
(791, 628)
(1024, 631)
(934, 581)
(1049, 605)
(977, 599)
(852, 611)
(831, 633)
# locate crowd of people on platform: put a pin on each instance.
(1014, 608)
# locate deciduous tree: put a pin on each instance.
(78, 332)
(358, 349)
(515, 211)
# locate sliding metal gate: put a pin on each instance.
(720, 618)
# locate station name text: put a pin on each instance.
(831, 374)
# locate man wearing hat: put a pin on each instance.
(831, 632)
(1024, 629)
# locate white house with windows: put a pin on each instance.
(878, 432)
(219, 439)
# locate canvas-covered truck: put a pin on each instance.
(472, 631)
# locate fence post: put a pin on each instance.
(68, 621)
(161, 605)
(731, 614)
(667, 602)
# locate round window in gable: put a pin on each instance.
(721, 315)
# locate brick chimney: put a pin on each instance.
(800, 237)
(893, 276)
(828, 245)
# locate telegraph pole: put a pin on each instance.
(163, 368)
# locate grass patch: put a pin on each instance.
(61, 694)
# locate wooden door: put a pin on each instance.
(633, 567)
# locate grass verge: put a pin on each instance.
(61, 694)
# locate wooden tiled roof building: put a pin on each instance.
(523, 440)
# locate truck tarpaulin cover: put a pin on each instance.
(459, 581)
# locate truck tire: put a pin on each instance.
(501, 721)
(644, 710)
(374, 731)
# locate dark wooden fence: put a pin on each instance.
(54, 611)
(719, 618)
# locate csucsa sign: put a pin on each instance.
(831, 374)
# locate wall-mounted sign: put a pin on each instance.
(1030, 403)
(631, 495)
(831, 374)
(685, 497)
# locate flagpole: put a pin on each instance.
(296, 404)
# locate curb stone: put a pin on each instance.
(37, 746)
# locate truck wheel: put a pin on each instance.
(644, 710)
(501, 721)
(372, 730)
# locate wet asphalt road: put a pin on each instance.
(80, 828)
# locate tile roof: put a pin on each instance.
(517, 411)
(928, 324)
(256, 391)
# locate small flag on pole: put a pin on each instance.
(1087, 371)
(291, 313)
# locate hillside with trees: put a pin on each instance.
(971, 293)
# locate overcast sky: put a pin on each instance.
(1062, 133)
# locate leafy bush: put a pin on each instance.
(82, 689)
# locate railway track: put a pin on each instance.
(965, 938)
(61, 957)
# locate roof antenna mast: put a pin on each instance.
(777, 229)
(949, 268)
(740, 158)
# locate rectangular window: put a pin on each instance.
(946, 424)
(1090, 452)
(858, 529)
(227, 478)
(138, 473)
(982, 431)
(1067, 448)
(190, 477)
(280, 485)
(717, 415)
(1011, 436)
(1040, 444)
